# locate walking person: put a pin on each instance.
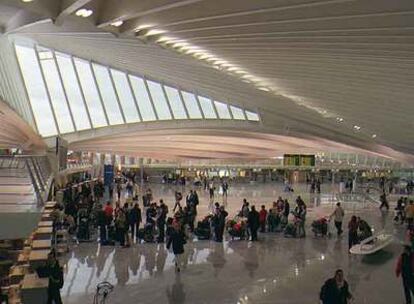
(338, 216)
(384, 202)
(177, 240)
(55, 279)
(335, 290)
(253, 223)
(352, 232)
(405, 268)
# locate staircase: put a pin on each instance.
(24, 186)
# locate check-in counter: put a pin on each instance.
(34, 289)
(43, 233)
(42, 245)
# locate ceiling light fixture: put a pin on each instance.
(83, 12)
(374, 136)
(27, 1)
(155, 32)
(117, 23)
(339, 119)
(357, 127)
(143, 27)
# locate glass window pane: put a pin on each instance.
(176, 103)
(125, 96)
(191, 105)
(90, 92)
(57, 95)
(222, 110)
(252, 116)
(36, 90)
(207, 107)
(73, 92)
(160, 103)
(141, 94)
(108, 94)
(237, 113)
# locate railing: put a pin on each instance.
(36, 167)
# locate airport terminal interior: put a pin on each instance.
(206, 151)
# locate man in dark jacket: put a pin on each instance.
(55, 280)
(405, 268)
(135, 220)
(253, 222)
(335, 290)
(161, 219)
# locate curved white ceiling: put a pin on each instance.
(322, 60)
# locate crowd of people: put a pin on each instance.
(127, 223)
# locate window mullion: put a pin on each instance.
(183, 103)
(81, 91)
(168, 101)
(150, 97)
(116, 95)
(99, 93)
(64, 90)
(199, 106)
(47, 90)
(25, 91)
(133, 96)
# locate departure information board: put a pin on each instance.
(299, 160)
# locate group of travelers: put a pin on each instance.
(126, 224)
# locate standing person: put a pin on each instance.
(245, 208)
(178, 198)
(161, 219)
(405, 268)
(55, 279)
(338, 216)
(189, 198)
(135, 219)
(211, 191)
(120, 223)
(352, 232)
(335, 290)
(262, 218)
(225, 188)
(119, 190)
(177, 239)
(111, 191)
(253, 223)
(222, 222)
(409, 213)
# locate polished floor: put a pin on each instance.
(273, 270)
